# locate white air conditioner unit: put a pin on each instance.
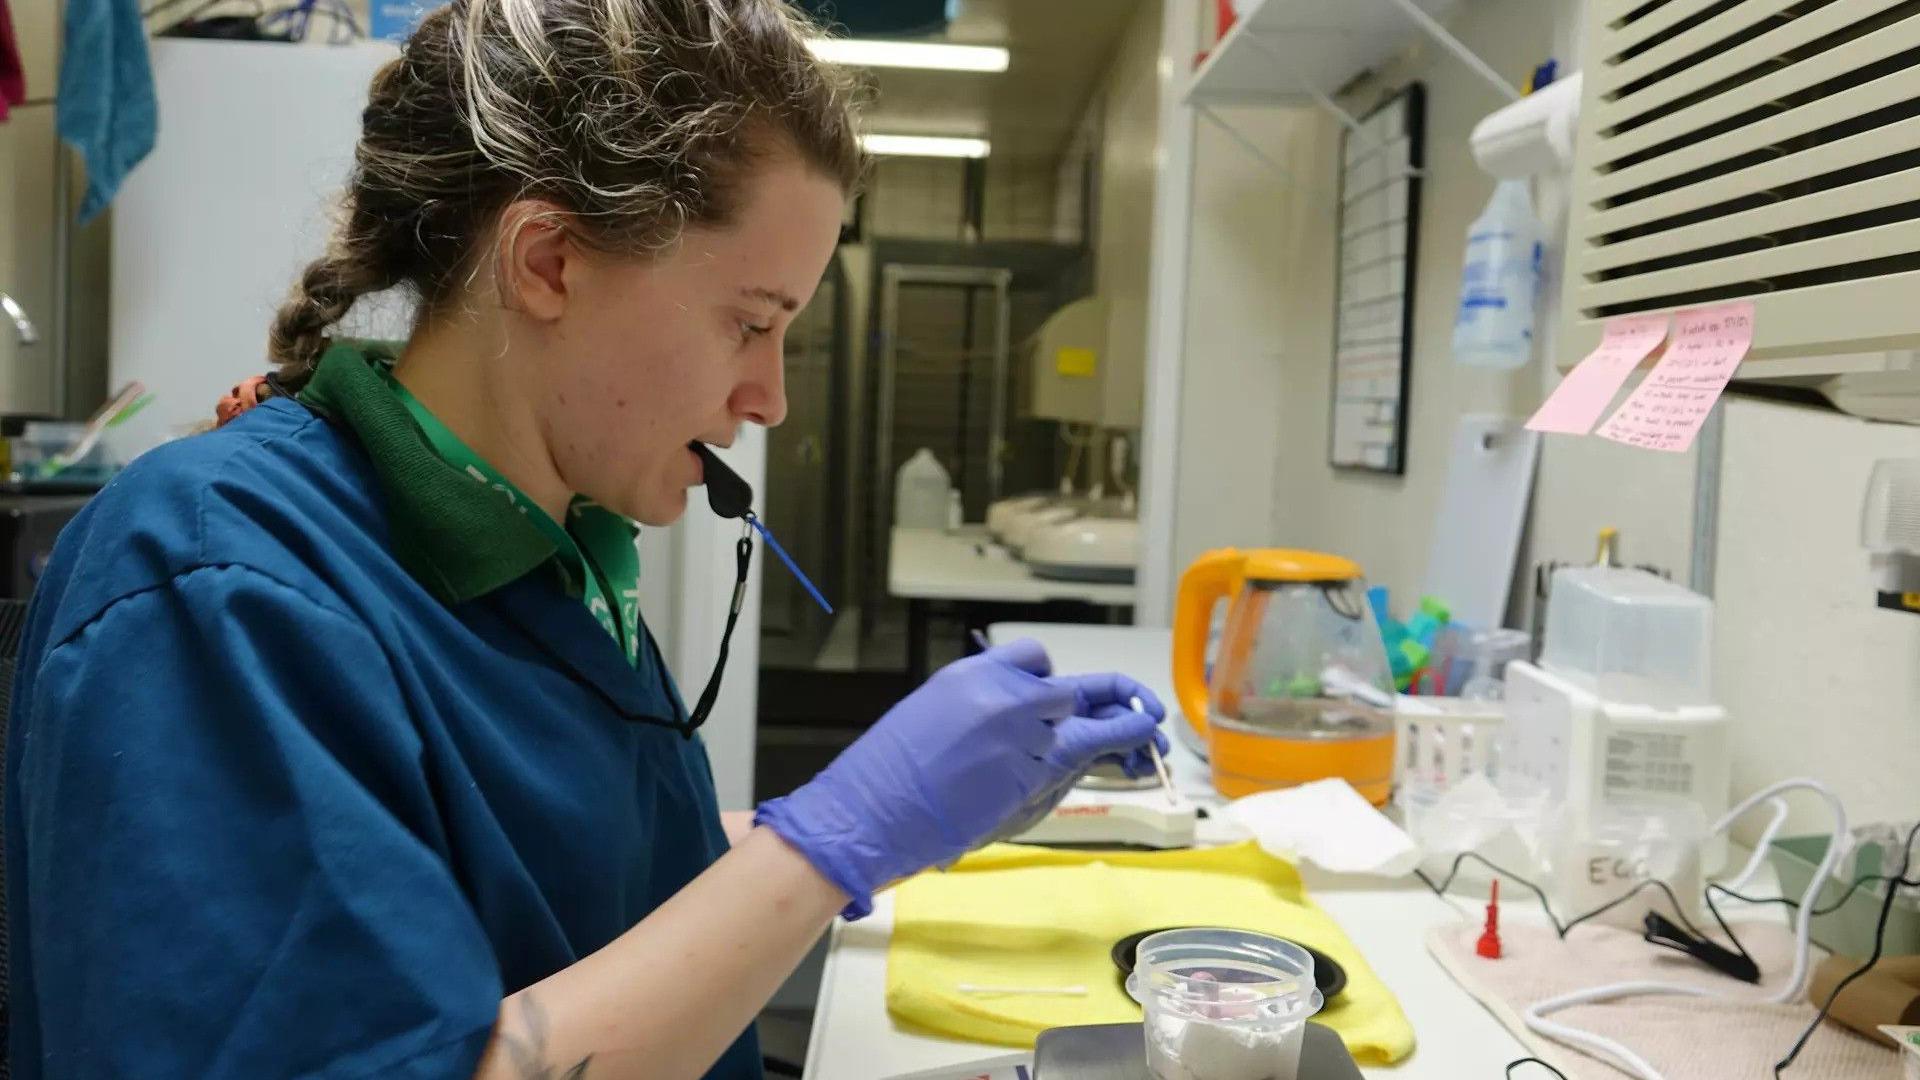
(1762, 149)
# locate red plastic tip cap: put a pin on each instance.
(1489, 943)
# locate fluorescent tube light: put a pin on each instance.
(931, 56)
(925, 146)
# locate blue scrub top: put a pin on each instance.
(287, 797)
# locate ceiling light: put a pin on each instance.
(865, 52)
(925, 146)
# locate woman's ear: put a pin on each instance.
(533, 260)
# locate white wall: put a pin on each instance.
(1256, 368)
(1819, 682)
(1386, 523)
(1128, 108)
(1161, 437)
(1239, 363)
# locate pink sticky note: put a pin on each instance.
(1666, 412)
(1576, 404)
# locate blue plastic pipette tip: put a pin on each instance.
(805, 583)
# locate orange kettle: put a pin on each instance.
(1300, 689)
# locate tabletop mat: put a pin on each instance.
(1683, 1037)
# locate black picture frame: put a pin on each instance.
(853, 220)
(1357, 399)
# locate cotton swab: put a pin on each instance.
(1166, 778)
(1023, 991)
(1159, 763)
(1153, 748)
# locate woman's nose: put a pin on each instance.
(761, 397)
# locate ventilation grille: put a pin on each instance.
(1753, 148)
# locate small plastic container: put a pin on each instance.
(1500, 818)
(1599, 858)
(1224, 1004)
(1440, 741)
(32, 455)
(1908, 1040)
(920, 492)
(1489, 652)
(1630, 638)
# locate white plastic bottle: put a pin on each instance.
(920, 492)
(1494, 328)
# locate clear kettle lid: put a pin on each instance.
(1306, 656)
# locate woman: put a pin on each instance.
(340, 748)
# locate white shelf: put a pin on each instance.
(1284, 51)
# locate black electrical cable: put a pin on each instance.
(1735, 963)
(1898, 881)
(1789, 901)
(1678, 910)
(1512, 1065)
(1440, 889)
(1562, 929)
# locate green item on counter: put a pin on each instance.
(1406, 660)
(1848, 931)
(1300, 686)
(1428, 621)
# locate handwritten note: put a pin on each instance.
(1666, 412)
(1575, 406)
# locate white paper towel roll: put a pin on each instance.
(1533, 135)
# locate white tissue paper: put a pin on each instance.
(1328, 824)
(1475, 815)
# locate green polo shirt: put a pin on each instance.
(459, 526)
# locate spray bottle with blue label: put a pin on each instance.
(1501, 278)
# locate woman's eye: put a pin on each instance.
(749, 331)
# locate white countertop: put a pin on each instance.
(855, 1039)
(935, 564)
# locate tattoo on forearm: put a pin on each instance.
(528, 1049)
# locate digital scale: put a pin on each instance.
(1119, 1052)
(1107, 809)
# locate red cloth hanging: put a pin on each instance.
(13, 77)
(1223, 18)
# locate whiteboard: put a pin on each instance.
(255, 143)
(1373, 325)
(1483, 512)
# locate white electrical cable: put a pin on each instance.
(1759, 856)
(1599, 1044)
(1536, 1014)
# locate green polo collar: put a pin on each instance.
(434, 511)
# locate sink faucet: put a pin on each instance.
(21, 324)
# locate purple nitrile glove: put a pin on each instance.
(949, 766)
(1106, 696)
(1109, 695)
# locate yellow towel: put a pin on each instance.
(1016, 916)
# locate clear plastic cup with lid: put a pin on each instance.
(1224, 1004)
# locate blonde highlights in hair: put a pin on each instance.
(637, 118)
